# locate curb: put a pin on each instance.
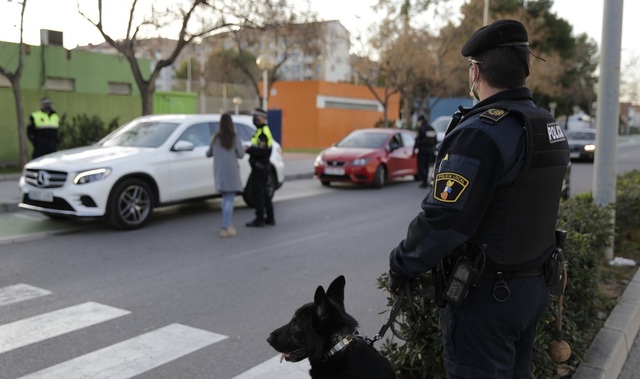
(608, 352)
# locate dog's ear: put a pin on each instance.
(336, 290)
(320, 303)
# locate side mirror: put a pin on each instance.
(183, 146)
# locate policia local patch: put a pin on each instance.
(449, 186)
(455, 174)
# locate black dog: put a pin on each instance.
(326, 334)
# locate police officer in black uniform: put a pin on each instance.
(259, 154)
(426, 142)
(491, 214)
(42, 129)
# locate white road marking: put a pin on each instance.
(39, 328)
(273, 369)
(134, 356)
(20, 292)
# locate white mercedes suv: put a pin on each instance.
(149, 162)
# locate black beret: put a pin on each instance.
(499, 33)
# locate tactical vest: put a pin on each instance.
(520, 223)
(44, 120)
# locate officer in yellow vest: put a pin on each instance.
(259, 154)
(42, 130)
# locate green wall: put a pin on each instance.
(91, 73)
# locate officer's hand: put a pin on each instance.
(396, 281)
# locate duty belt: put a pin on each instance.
(488, 273)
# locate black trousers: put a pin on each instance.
(425, 159)
(488, 339)
(43, 146)
(261, 198)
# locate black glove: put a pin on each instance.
(396, 281)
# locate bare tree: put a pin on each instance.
(14, 79)
(277, 29)
(196, 18)
(376, 75)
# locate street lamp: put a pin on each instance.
(236, 103)
(265, 63)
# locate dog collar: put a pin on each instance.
(339, 346)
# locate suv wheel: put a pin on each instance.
(130, 204)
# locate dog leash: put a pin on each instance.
(405, 292)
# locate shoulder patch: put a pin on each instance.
(449, 186)
(494, 115)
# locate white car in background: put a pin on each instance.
(149, 162)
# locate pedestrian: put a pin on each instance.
(259, 159)
(42, 129)
(426, 142)
(226, 148)
(487, 229)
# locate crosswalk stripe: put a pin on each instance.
(134, 356)
(274, 369)
(39, 328)
(20, 292)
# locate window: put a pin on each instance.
(198, 134)
(115, 88)
(408, 139)
(60, 84)
(245, 132)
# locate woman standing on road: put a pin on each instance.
(226, 148)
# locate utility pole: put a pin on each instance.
(608, 112)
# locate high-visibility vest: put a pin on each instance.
(255, 140)
(44, 120)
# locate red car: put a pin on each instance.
(368, 156)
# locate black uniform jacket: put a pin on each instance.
(478, 158)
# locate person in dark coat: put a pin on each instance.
(226, 148)
(487, 228)
(426, 142)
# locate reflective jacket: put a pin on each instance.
(44, 120)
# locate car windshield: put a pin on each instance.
(581, 135)
(440, 124)
(142, 134)
(367, 140)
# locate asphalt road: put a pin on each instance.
(175, 301)
(176, 277)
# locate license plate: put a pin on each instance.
(41, 196)
(574, 154)
(334, 171)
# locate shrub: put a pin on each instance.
(588, 233)
(83, 130)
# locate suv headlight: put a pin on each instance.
(92, 175)
(360, 162)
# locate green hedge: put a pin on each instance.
(83, 130)
(588, 234)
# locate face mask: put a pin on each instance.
(256, 121)
(46, 107)
(472, 92)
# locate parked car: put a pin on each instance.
(440, 125)
(369, 157)
(582, 144)
(147, 163)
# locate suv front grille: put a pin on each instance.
(45, 178)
